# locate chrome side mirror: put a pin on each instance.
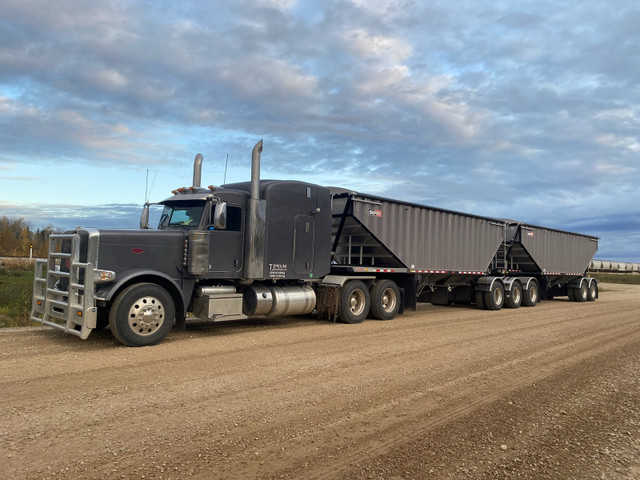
(144, 217)
(220, 216)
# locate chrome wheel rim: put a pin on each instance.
(146, 316)
(388, 300)
(356, 302)
(533, 294)
(497, 296)
(516, 295)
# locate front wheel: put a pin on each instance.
(102, 319)
(385, 300)
(355, 302)
(142, 314)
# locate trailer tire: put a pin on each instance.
(355, 302)
(494, 298)
(385, 300)
(571, 294)
(480, 300)
(581, 293)
(142, 314)
(531, 296)
(514, 300)
(593, 291)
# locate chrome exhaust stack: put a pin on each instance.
(197, 170)
(255, 171)
(254, 263)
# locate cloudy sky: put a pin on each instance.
(520, 109)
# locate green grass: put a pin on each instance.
(626, 278)
(16, 287)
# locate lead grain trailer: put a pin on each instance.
(269, 248)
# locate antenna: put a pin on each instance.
(155, 174)
(226, 163)
(147, 189)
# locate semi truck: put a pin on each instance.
(272, 248)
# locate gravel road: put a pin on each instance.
(551, 392)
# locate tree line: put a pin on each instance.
(17, 238)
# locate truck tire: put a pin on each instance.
(514, 300)
(102, 319)
(531, 296)
(581, 293)
(142, 314)
(571, 294)
(494, 298)
(385, 300)
(593, 291)
(355, 302)
(480, 300)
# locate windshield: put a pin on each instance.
(182, 214)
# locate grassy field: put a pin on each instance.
(626, 278)
(16, 285)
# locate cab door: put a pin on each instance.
(226, 251)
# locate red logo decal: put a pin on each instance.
(137, 251)
(375, 213)
(530, 234)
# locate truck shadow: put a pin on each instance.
(238, 327)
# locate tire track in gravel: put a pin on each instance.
(455, 401)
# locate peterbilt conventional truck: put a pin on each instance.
(269, 248)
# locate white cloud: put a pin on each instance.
(630, 144)
(110, 78)
(419, 99)
(278, 4)
(255, 76)
(386, 50)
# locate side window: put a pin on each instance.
(234, 218)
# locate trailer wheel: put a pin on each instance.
(514, 300)
(581, 293)
(531, 296)
(480, 300)
(593, 291)
(355, 302)
(385, 300)
(494, 298)
(571, 294)
(142, 314)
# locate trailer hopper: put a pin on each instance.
(384, 233)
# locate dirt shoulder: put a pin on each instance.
(444, 392)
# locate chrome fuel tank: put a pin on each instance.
(279, 301)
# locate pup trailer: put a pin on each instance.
(269, 248)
